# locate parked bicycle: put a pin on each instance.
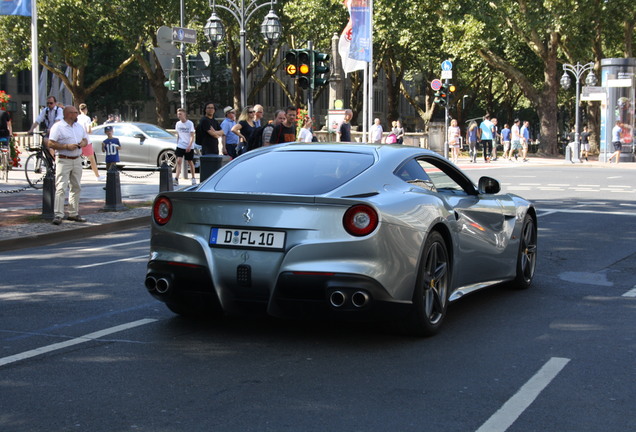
(38, 164)
(5, 158)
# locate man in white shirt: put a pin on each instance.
(376, 131)
(67, 139)
(185, 143)
(47, 118)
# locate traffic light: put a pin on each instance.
(450, 93)
(440, 97)
(291, 57)
(320, 75)
(173, 83)
(305, 72)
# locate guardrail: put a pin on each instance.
(413, 139)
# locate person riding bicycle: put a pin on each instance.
(47, 118)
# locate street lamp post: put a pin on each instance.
(577, 70)
(242, 11)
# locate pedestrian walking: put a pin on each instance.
(485, 129)
(495, 138)
(525, 139)
(185, 143)
(616, 142)
(454, 144)
(471, 139)
(67, 138)
(85, 121)
(515, 144)
(505, 140)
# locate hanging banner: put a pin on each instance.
(15, 7)
(361, 31)
(349, 64)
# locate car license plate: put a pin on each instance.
(247, 238)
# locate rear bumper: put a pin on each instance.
(295, 294)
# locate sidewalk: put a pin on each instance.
(21, 224)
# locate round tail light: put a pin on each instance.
(360, 220)
(162, 210)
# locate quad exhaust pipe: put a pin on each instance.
(161, 285)
(359, 299)
(337, 299)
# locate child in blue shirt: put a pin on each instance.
(111, 147)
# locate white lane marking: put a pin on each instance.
(115, 245)
(594, 212)
(110, 262)
(547, 212)
(630, 293)
(516, 405)
(86, 338)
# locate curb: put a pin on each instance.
(74, 234)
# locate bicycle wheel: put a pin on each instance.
(36, 168)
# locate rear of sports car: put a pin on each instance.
(285, 245)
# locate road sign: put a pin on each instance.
(447, 74)
(590, 93)
(447, 65)
(436, 84)
(184, 35)
(164, 40)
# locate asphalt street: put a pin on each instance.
(84, 347)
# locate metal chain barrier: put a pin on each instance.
(16, 190)
(139, 176)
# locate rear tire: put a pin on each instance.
(430, 296)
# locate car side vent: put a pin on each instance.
(244, 275)
(362, 195)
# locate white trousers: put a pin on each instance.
(68, 175)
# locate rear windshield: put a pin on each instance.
(293, 172)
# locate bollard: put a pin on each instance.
(48, 195)
(165, 178)
(210, 163)
(113, 191)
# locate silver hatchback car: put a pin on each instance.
(142, 144)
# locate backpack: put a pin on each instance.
(256, 139)
(391, 139)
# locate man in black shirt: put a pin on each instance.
(286, 131)
(209, 131)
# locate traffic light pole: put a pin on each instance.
(446, 128)
(310, 91)
(182, 61)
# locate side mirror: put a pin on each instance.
(141, 137)
(488, 185)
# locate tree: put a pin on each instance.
(63, 44)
